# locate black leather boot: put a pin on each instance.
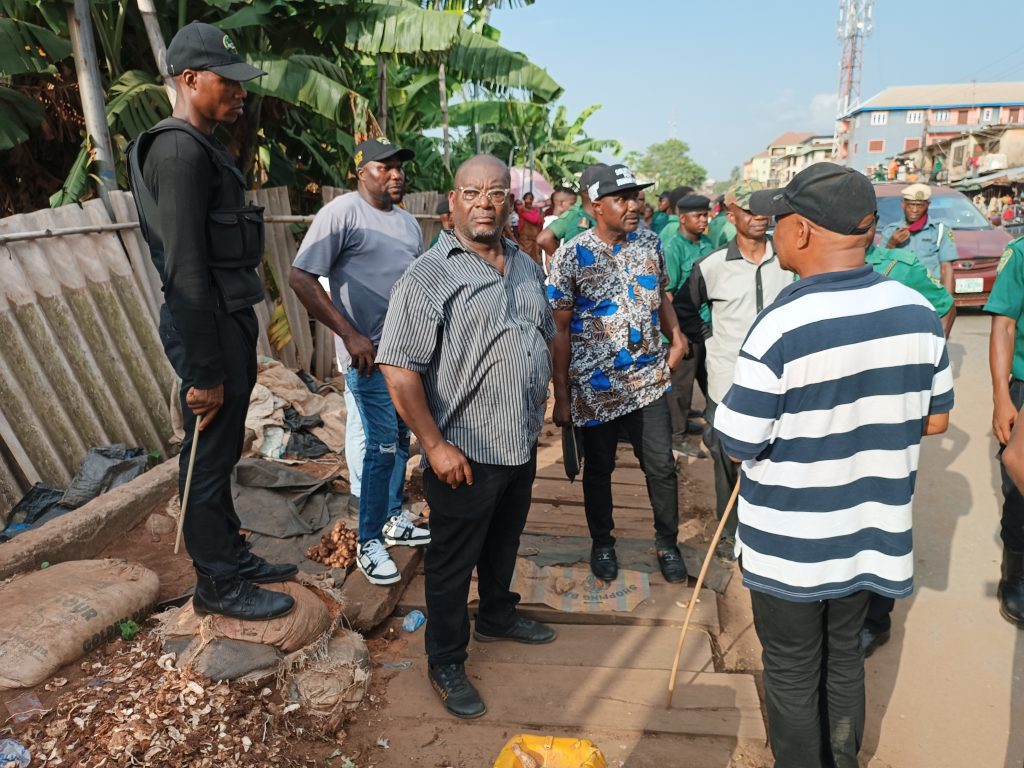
(256, 570)
(238, 599)
(1011, 587)
(457, 694)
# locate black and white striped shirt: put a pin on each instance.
(479, 338)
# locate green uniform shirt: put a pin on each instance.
(567, 226)
(659, 220)
(1007, 298)
(681, 254)
(904, 267)
(434, 241)
(721, 230)
(670, 230)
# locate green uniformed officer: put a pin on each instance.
(206, 244)
(722, 229)
(1006, 360)
(444, 216)
(660, 218)
(671, 227)
(930, 240)
(579, 218)
(686, 248)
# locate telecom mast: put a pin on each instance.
(854, 26)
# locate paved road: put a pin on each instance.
(948, 689)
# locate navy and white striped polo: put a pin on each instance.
(827, 408)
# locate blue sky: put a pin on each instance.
(727, 78)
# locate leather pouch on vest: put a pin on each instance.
(236, 242)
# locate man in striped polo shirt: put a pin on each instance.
(464, 351)
(835, 385)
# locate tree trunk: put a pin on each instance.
(382, 94)
(156, 43)
(443, 88)
(90, 87)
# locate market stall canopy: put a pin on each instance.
(995, 179)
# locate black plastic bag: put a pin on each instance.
(37, 502)
(104, 468)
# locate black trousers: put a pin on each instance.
(726, 470)
(693, 368)
(211, 531)
(650, 432)
(1012, 522)
(473, 526)
(813, 678)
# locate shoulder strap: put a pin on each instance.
(890, 268)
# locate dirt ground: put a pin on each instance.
(361, 739)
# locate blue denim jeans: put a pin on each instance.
(387, 453)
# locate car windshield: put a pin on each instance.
(955, 211)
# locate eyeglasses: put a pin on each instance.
(471, 195)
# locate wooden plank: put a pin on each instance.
(564, 493)
(619, 647)
(536, 695)
(621, 475)
(666, 607)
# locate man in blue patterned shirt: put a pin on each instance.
(607, 290)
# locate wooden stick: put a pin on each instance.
(696, 591)
(188, 483)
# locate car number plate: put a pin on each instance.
(970, 284)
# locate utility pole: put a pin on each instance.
(90, 87)
(855, 24)
(156, 44)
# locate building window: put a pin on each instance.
(1014, 115)
(879, 118)
(958, 156)
(986, 115)
(876, 146)
(911, 144)
(961, 117)
(942, 116)
(915, 117)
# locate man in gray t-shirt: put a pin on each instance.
(363, 242)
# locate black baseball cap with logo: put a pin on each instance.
(203, 46)
(611, 180)
(378, 150)
(832, 196)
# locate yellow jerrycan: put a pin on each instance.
(530, 751)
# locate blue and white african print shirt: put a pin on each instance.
(618, 363)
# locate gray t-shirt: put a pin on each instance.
(362, 251)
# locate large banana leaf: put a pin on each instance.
(137, 101)
(18, 115)
(77, 182)
(467, 113)
(26, 48)
(307, 81)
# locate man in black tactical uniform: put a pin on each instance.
(206, 243)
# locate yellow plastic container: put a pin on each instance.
(530, 751)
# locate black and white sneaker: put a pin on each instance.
(399, 531)
(376, 564)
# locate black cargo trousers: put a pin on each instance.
(211, 531)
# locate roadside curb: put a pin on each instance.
(85, 532)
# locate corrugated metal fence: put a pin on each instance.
(81, 364)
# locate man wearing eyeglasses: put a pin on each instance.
(363, 242)
(930, 240)
(607, 288)
(465, 355)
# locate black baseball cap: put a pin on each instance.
(612, 179)
(203, 46)
(589, 176)
(688, 203)
(832, 196)
(378, 150)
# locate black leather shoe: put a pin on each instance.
(256, 570)
(457, 694)
(672, 566)
(870, 641)
(523, 631)
(604, 563)
(1011, 587)
(238, 599)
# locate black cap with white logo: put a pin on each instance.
(203, 46)
(378, 150)
(611, 180)
(829, 195)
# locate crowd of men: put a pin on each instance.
(820, 355)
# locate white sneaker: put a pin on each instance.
(376, 564)
(400, 531)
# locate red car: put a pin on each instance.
(978, 243)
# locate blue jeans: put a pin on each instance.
(387, 453)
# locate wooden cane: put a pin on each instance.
(188, 483)
(696, 591)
